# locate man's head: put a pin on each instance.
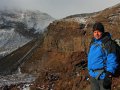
(98, 30)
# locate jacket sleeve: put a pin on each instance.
(111, 63)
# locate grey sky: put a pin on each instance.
(60, 8)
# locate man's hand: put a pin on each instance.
(107, 80)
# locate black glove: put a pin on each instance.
(107, 80)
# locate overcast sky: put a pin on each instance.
(60, 8)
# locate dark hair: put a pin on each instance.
(98, 26)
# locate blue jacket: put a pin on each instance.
(99, 57)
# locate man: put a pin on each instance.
(101, 59)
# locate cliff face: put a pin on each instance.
(60, 61)
(64, 36)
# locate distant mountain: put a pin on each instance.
(31, 19)
(17, 27)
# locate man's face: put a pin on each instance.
(97, 34)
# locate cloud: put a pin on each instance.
(59, 8)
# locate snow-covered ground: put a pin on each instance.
(23, 81)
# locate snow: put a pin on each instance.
(17, 79)
(10, 41)
(78, 19)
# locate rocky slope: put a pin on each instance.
(60, 62)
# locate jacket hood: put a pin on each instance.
(106, 37)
